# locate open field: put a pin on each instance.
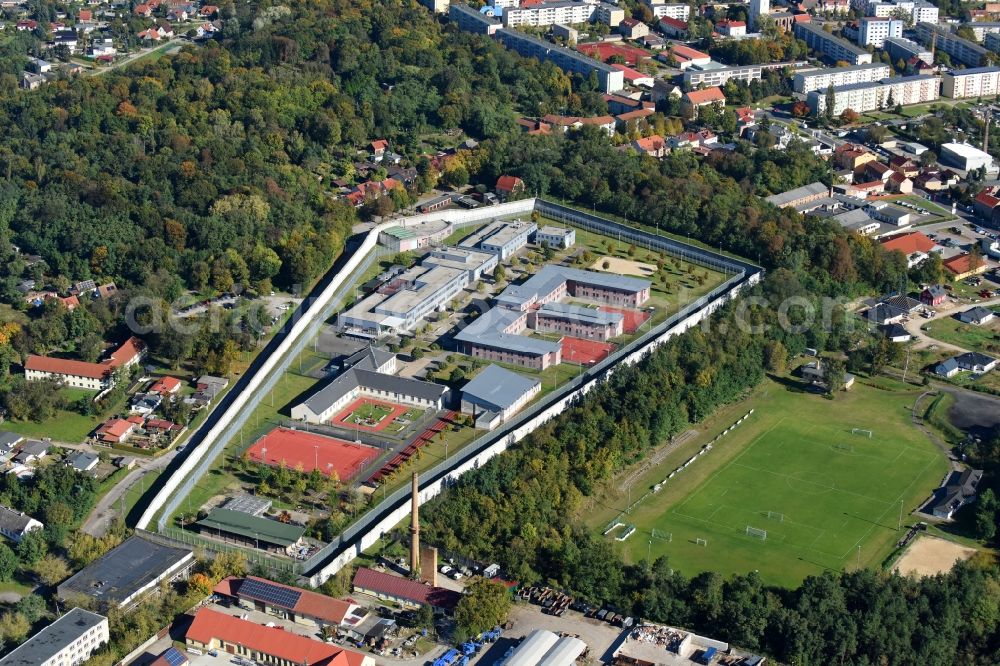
(928, 556)
(967, 336)
(826, 498)
(620, 266)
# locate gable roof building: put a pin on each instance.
(960, 489)
(299, 605)
(250, 530)
(402, 590)
(976, 316)
(496, 394)
(81, 374)
(16, 524)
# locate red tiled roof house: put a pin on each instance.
(509, 187)
(81, 374)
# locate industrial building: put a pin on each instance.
(965, 157)
(821, 79)
(123, 576)
(544, 648)
(574, 62)
(830, 45)
(301, 606)
(976, 82)
(496, 394)
(958, 49)
(862, 97)
(68, 641)
(403, 591)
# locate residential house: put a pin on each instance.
(633, 28)
(899, 184)
(145, 404)
(963, 265)
(976, 362)
(696, 99)
(32, 452)
(211, 385)
(509, 187)
(166, 386)
(852, 156)
(933, 295)
(672, 27)
(82, 374)
(379, 147)
(946, 368)
(116, 431)
(904, 165)
(654, 146)
(16, 524)
(83, 461)
(985, 204)
(976, 316)
(731, 28)
(959, 490)
(895, 333)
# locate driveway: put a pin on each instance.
(915, 325)
(108, 507)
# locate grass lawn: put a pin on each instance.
(456, 236)
(985, 338)
(65, 426)
(368, 412)
(833, 497)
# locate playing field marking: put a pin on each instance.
(832, 488)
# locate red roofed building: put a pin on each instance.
(731, 28)
(508, 187)
(379, 147)
(403, 591)
(115, 431)
(654, 146)
(696, 99)
(961, 266)
(984, 204)
(371, 189)
(916, 246)
(81, 374)
(208, 11)
(685, 56)
(633, 76)
(212, 630)
(166, 385)
(672, 27)
(298, 605)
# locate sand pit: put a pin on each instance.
(927, 556)
(624, 267)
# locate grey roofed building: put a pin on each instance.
(794, 197)
(83, 461)
(54, 640)
(946, 368)
(551, 277)
(15, 524)
(581, 314)
(315, 407)
(123, 574)
(487, 330)
(31, 451)
(369, 358)
(960, 489)
(975, 362)
(498, 389)
(896, 333)
(9, 440)
(884, 313)
(977, 315)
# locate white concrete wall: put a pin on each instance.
(242, 400)
(371, 537)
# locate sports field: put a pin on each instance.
(584, 352)
(299, 449)
(812, 491)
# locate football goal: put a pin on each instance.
(862, 432)
(843, 447)
(701, 542)
(757, 533)
(663, 536)
(774, 515)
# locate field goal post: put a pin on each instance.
(774, 515)
(863, 432)
(663, 536)
(701, 542)
(840, 446)
(757, 533)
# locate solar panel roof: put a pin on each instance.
(274, 594)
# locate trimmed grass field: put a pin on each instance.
(368, 413)
(985, 338)
(796, 458)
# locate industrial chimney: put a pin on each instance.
(414, 527)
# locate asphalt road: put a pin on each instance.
(107, 508)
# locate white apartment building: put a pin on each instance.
(960, 50)
(566, 12)
(831, 46)
(900, 48)
(68, 641)
(670, 10)
(718, 76)
(875, 31)
(919, 10)
(978, 82)
(821, 79)
(982, 28)
(864, 97)
(758, 8)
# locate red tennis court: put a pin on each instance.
(633, 318)
(394, 410)
(298, 447)
(584, 352)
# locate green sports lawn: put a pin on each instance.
(367, 411)
(795, 456)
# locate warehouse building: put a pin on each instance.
(125, 575)
(496, 394)
(544, 648)
(251, 531)
(289, 603)
(965, 157)
(405, 592)
(821, 79)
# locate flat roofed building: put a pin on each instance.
(901, 48)
(965, 157)
(498, 391)
(609, 78)
(976, 82)
(673, 10)
(556, 237)
(416, 236)
(472, 20)
(212, 630)
(698, 75)
(123, 576)
(502, 238)
(864, 97)
(821, 79)
(252, 531)
(830, 45)
(68, 641)
(552, 283)
(577, 321)
(875, 30)
(942, 38)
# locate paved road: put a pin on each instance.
(915, 325)
(176, 41)
(107, 508)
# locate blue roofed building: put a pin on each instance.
(496, 394)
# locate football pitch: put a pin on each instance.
(814, 493)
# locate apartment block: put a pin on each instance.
(610, 79)
(874, 30)
(864, 97)
(671, 10)
(978, 82)
(900, 48)
(717, 76)
(961, 51)
(472, 20)
(821, 79)
(831, 46)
